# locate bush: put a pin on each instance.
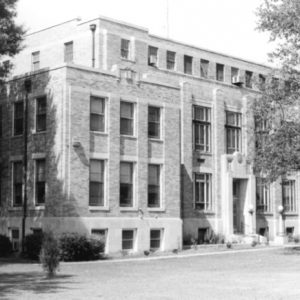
(5, 245)
(49, 256)
(253, 243)
(229, 245)
(214, 238)
(33, 245)
(75, 247)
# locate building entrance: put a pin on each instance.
(238, 202)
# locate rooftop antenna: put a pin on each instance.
(167, 19)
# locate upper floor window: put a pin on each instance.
(35, 60)
(154, 185)
(127, 118)
(288, 195)
(18, 118)
(96, 191)
(188, 64)
(97, 114)
(219, 72)
(17, 183)
(262, 82)
(68, 52)
(171, 60)
(154, 122)
(263, 201)
(248, 79)
(40, 181)
(233, 131)
(152, 56)
(41, 113)
(125, 49)
(202, 128)
(204, 64)
(126, 184)
(202, 187)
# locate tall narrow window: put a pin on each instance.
(188, 64)
(154, 185)
(96, 182)
(128, 239)
(152, 56)
(126, 184)
(203, 199)
(17, 183)
(155, 239)
(15, 239)
(68, 52)
(204, 64)
(220, 72)
(262, 82)
(233, 132)
(127, 118)
(171, 60)
(288, 196)
(35, 58)
(263, 202)
(97, 118)
(248, 79)
(154, 122)
(18, 118)
(40, 181)
(202, 128)
(41, 112)
(125, 49)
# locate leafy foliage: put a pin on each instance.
(11, 34)
(50, 254)
(5, 245)
(75, 247)
(33, 245)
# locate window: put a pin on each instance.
(127, 118)
(203, 199)
(126, 184)
(40, 181)
(125, 46)
(202, 128)
(35, 58)
(188, 64)
(171, 60)
(204, 64)
(233, 131)
(234, 74)
(152, 56)
(96, 182)
(288, 195)
(263, 201)
(17, 183)
(155, 239)
(220, 72)
(262, 82)
(248, 79)
(154, 122)
(100, 234)
(41, 112)
(153, 185)
(15, 239)
(261, 132)
(18, 118)
(97, 118)
(128, 239)
(68, 52)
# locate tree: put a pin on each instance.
(277, 110)
(11, 35)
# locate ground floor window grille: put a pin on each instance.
(288, 195)
(127, 239)
(203, 199)
(155, 239)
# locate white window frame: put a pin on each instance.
(13, 119)
(134, 185)
(105, 115)
(160, 122)
(67, 53)
(207, 125)
(35, 61)
(167, 60)
(34, 188)
(133, 119)
(208, 200)
(105, 185)
(134, 242)
(237, 129)
(265, 196)
(36, 113)
(160, 188)
(292, 204)
(161, 230)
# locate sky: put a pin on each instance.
(226, 26)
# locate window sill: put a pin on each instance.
(17, 136)
(129, 209)
(288, 214)
(128, 60)
(15, 208)
(98, 208)
(200, 153)
(155, 140)
(99, 133)
(38, 132)
(264, 213)
(37, 207)
(205, 212)
(156, 209)
(129, 137)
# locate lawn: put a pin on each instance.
(259, 274)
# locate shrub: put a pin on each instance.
(5, 245)
(214, 238)
(33, 245)
(297, 239)
(75, 247)
(253, 243)
(49, 256)
(228, 245)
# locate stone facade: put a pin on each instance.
(68, 145)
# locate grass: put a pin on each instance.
(267, 274)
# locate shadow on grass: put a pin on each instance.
(292, 250)
(36, 282)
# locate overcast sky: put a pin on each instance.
(226, 26)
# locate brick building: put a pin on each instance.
(139, 138)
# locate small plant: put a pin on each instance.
(33, 245)
(228, 245)
(146, 253)
(254, 243)
(5, 245)
(175, 251)
(49, 256)
(296, 239)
